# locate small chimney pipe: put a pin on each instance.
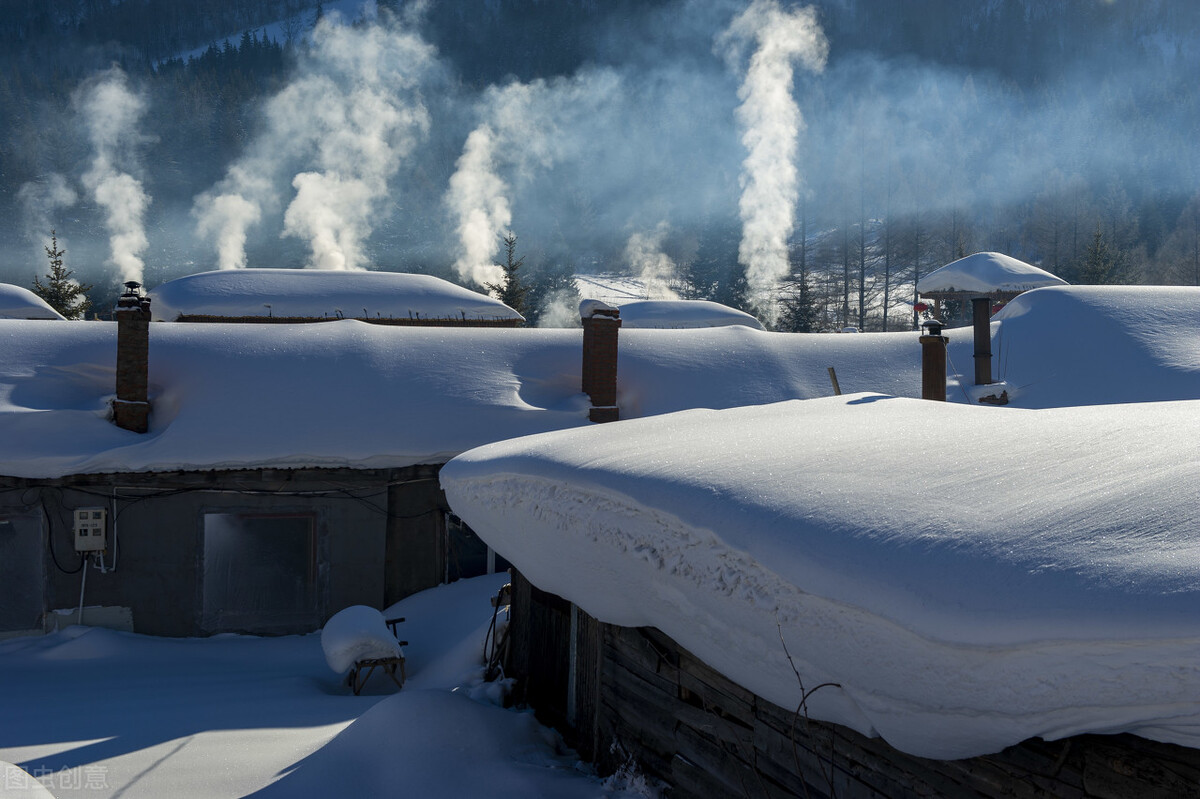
(981, 313)
(933, 361)
(601, 324)
(131, 408)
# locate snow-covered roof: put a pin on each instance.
(21, 303)
(679, 314)
(987, 272)
(968, 576)
(317, 293)
(352, 394)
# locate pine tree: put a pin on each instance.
(60, 291)
(799, 312)
(1101, 264)
(511, 291)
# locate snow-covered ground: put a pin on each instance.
(90, 712)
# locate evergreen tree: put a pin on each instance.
(1101, 264)
(511, 291)
(60, 291)
(799, 312)
(552, 291)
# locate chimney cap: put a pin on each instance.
(933, 327)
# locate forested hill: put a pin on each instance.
(938, 127)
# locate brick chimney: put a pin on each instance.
(601, 323)
(131, 408)
(933, 361)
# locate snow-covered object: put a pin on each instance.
(987, 272)
(352, 394)
(588, 308)
(680, 314)
(318, 293)
(21, 303)
(1039, 575)
(357, 633)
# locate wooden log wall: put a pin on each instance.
(634, 693)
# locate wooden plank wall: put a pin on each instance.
(706, 737)
(635, 693)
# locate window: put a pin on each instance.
(260, 572)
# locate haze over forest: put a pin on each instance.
(608, 135)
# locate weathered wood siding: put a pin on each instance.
(636, 693)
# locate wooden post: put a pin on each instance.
(837, 389)
(981, 311)
(933, 362)
(131, 408)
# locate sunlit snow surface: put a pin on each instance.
(986, 272)
(322, 293)
(17, 302)
(352, 394)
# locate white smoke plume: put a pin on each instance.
(111, 113)
(41, 199)
(527, 128)
(337, 134)
(479, 197)
(771, 124)
(644, 253)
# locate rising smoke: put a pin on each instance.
(644, 253)
(41, 199)
(337, 134)
(771, 123)
(112, 113)
(478, 197)
(371, 154)
(528, 128)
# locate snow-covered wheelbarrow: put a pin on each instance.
(358, 640)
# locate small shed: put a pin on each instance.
(322, 295)
(994, 275)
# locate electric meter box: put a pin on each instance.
(90, 526)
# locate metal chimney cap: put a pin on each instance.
(933, 327)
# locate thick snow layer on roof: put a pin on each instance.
(322, 293)
(351, 394)
(986, 272)
(21, 303)
(968, 576)
(678, 314)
